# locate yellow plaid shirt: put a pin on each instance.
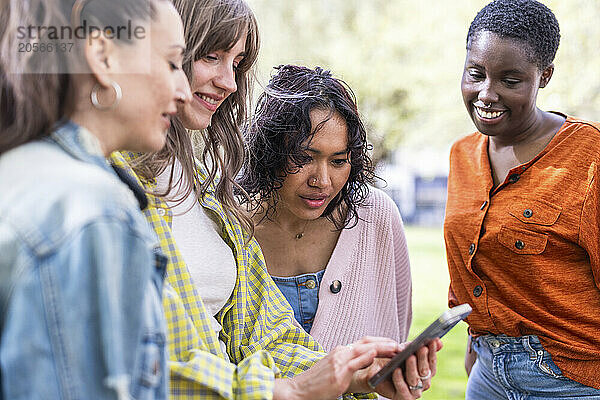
(262, 341)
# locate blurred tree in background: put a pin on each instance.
(404, 59)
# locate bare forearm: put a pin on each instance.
(285, 390)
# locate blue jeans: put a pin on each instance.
(518, 368)
(302, 292)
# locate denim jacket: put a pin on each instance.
(80, 277)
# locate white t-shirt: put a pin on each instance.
(208, 258)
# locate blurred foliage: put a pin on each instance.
(430, 298)
(404, 60)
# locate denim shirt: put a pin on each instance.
(80, 279)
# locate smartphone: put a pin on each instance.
(437, 329)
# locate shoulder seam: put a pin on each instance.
(584, 122)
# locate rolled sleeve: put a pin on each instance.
(197, 373)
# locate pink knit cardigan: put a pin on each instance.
(371, 261)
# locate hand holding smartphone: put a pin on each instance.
(437, 329)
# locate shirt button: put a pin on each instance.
(310, 284)
(335, 286)
(513, 178)
(161, 212)
(494, 343)
(472, 249)
(527, 213)
(519, 244)
(477, 291)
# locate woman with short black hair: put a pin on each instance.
(521, 225)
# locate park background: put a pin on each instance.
(404, 60)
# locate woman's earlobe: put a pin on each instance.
(98, 51)
(546, 75)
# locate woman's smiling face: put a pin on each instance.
(213, 80)
(500, 85)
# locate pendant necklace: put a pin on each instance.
(296, 236)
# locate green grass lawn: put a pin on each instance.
(430, 290)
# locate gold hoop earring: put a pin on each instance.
(118, 96)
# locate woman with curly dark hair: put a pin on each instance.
(334, 245)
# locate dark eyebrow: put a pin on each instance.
(512, 72)
(339, 153)
(507, 72)
(474, 64)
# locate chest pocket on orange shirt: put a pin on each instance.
(535, 213)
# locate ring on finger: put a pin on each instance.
(418, 386)
(425, 377)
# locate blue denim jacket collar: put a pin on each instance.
(83, 145)
(80, 143)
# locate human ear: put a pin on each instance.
(546, 75)
(100, 54)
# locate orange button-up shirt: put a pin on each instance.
(526, 254)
